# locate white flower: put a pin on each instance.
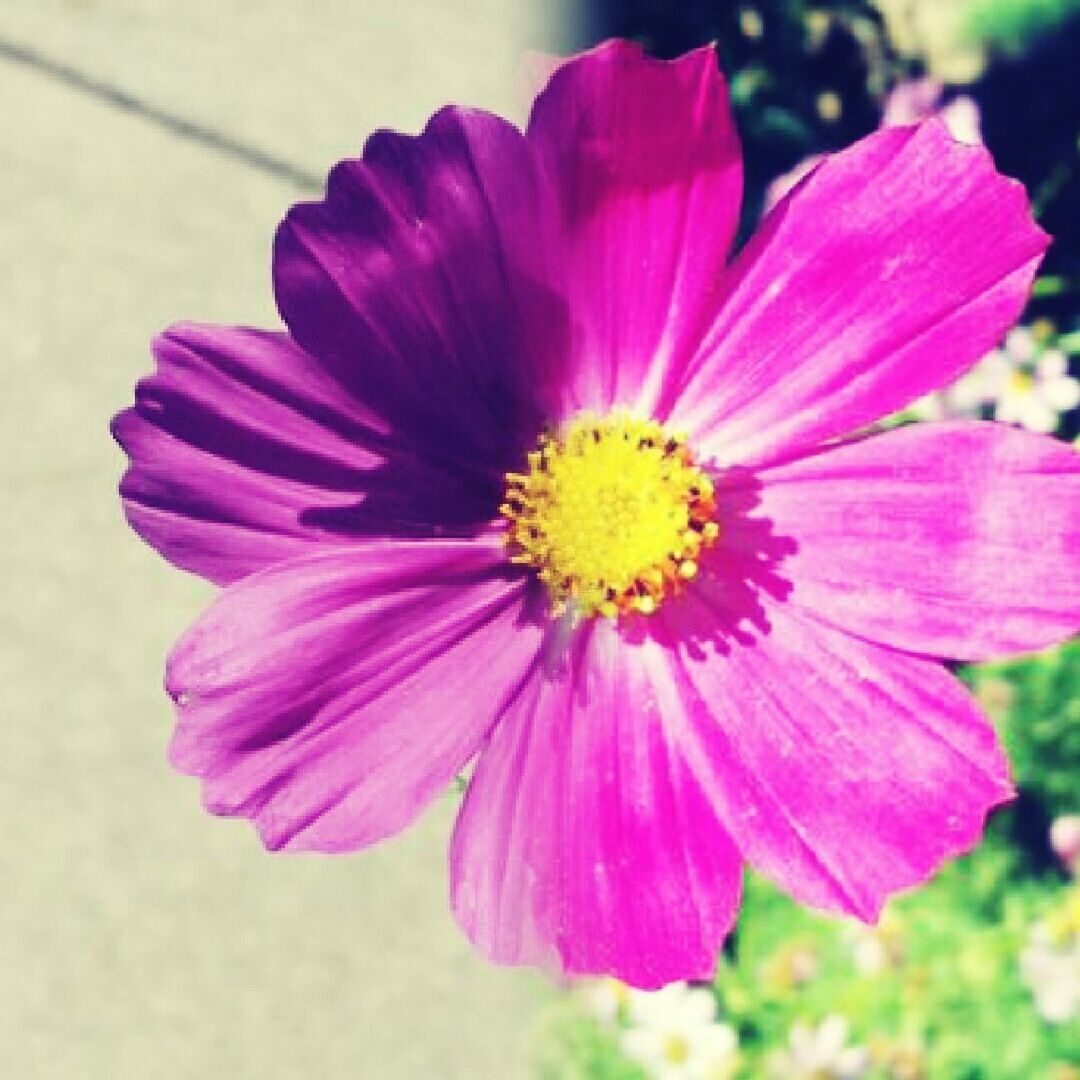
(964, 399)
(875, 949)
(1052, 973)
(820, 1053)
(1050, 965)
(604, 999)
(1021, 382)
(674, 1035)
(1035, 395)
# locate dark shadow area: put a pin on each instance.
(727, 603)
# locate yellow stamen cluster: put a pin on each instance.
(613, 514)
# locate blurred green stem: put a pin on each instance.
(1070, 343)
(1052, 186)
(1054, 285)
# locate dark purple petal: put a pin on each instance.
(423, 281)
(245, 451)
(331, 697)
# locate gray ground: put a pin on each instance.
(140, 938)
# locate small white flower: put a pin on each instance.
(1034, 395)
(1020, 382)
(820, 1053)
(1052, 973)
(965, 398)
(1050, 965)
(604, 999)
(674, 1035)
(875, 949)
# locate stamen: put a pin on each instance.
(613, 515)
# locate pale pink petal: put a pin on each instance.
(884, 275)
(644, 161)
(331, 697)
(584, 843)
(843, 770)
(957, 539)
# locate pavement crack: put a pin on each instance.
(208, 137)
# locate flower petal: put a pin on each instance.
(644, 159)
(584, 843)
(955, 539)
(422, 280)
(330, 698)
(245, 451)
(885, 274)
(844, 771)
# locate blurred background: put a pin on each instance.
(147, 152)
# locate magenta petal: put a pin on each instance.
(584, 842)
(887, 272)
(644, 159)
(843, 770)
(422, 280)
(955, 540)
(245, 451)
(331, 697)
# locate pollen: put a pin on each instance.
(613, 515)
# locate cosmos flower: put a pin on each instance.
(674, 1034)
(1023, 382)
(876, 949)
(1050, 963)
(912, 100)
(606, 1000)
(538, 479)
(909, 102)
(820, 1053)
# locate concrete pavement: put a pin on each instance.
(141, 939)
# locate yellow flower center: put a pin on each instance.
(676, 1050)
(613, 514)
(1020, 382)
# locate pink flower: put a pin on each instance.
(920, 99)
(909, 102)
(668, 656)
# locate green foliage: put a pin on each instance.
(1010, 22)
(571, 1046)
(948, 1004)
(1036, 705)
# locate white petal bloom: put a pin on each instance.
(1052, 973)
(1021, 383)
(1038, 389)
(820, 1053)
(1021, 344)
(876, 949)
(605, 999)
(674, 1035)
(1050, 965)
